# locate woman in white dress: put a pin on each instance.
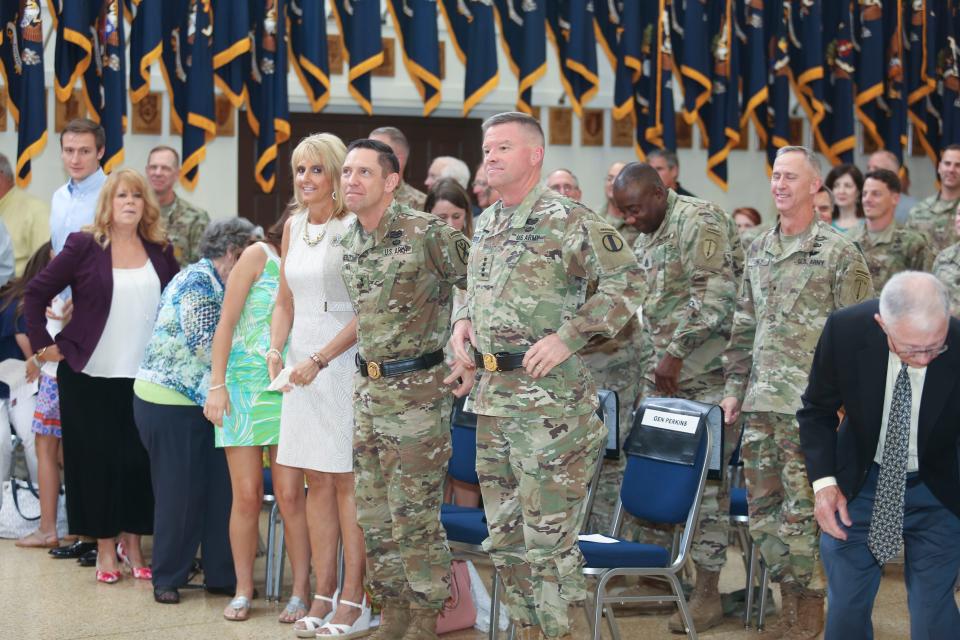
(316, 420)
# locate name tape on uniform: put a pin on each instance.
(670, 421)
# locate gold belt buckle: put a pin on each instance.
(373, 370)
(490, 362)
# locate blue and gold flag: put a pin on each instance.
(268, 112)
(870, 70)
(21, 62)
(921, 69)
(524, 39)
(622, 38)
(806, 62)
(105, 80)
(231, 48)
(415, 22)
(188, 71)
(691, 45)
(308, 50)
(840, 67)
(948, 68)
(649, 57)
(753, 68)
(723, 110)
(571, 29)
(359, 22)
(146, 43)
(778, 78)
(473, 33)
(73, 51)
(892, 105)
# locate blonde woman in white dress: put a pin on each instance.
(316, 422)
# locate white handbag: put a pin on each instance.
(20, 510)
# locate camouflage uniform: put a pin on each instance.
(947, 268)
(628, 231)
(790, 286)
(934, 218)
(400, 278)
(538, 439)
(891, 251)
(185, 225)
(693, 263)
(405, 194)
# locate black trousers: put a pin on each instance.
(106, 469)
(191, 485)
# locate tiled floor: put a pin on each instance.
(45, 599)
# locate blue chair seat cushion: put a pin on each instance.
(738, 502)
(602, 555)
(464, 526)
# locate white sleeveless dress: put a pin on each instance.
(316, 421)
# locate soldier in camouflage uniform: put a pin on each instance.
(947, 268)
(184, 222)
(796, 274)
(933, 216)
(400, 267)
(610, 212)
(538, 437)
(887, 247)
(404, 193)
(690, 252)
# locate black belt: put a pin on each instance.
(501, 361)
(374, 370)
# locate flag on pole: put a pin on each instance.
(146, 43)
(473, 34)
(21, 62)
(921, 45)
(415, 22)
(570, 27)
(840, 66)
(524, 39)
(268, 113)
(188, 71)
(308, 50)
(231, 48)
(359, 22)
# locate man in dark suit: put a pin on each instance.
(887, 477)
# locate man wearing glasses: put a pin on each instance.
(887, 478)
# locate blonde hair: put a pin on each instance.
(328, 151)
(150, 227)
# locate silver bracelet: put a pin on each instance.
(275, 351)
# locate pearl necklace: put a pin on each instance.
(312, 242)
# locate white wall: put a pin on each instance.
(217, 187)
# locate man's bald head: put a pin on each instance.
(883, 159)
(915, 315)
(640, 195)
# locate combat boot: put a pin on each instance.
(788, 615)
(394, 620)
(422, 625)
(705, 607)
(809, 618)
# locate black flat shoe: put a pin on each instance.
(89, 559)
(74, 550)
(166, 596)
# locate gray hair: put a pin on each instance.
(915, 296)
(224, 236)
(576, 181)
(395, 136)
(669, 156)
(523, 119)
(456, 169)
(812, 159)
(6, 170)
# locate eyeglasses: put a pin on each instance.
(931, 353)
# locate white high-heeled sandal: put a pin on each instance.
(312, 624)
(359, 628)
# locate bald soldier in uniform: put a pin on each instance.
(538, 437)
(691, 254)
(796, 275)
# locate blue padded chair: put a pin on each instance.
(655, 491)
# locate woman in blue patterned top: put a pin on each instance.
(191, 485)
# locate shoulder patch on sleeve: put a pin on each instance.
(609, 246)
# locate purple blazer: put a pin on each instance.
(87, 268)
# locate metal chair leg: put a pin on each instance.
(269, 595)
(684, 609)
(764, 578)
(279, 551)
(751, 575)
(494, 607)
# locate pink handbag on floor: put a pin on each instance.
(459, 612)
